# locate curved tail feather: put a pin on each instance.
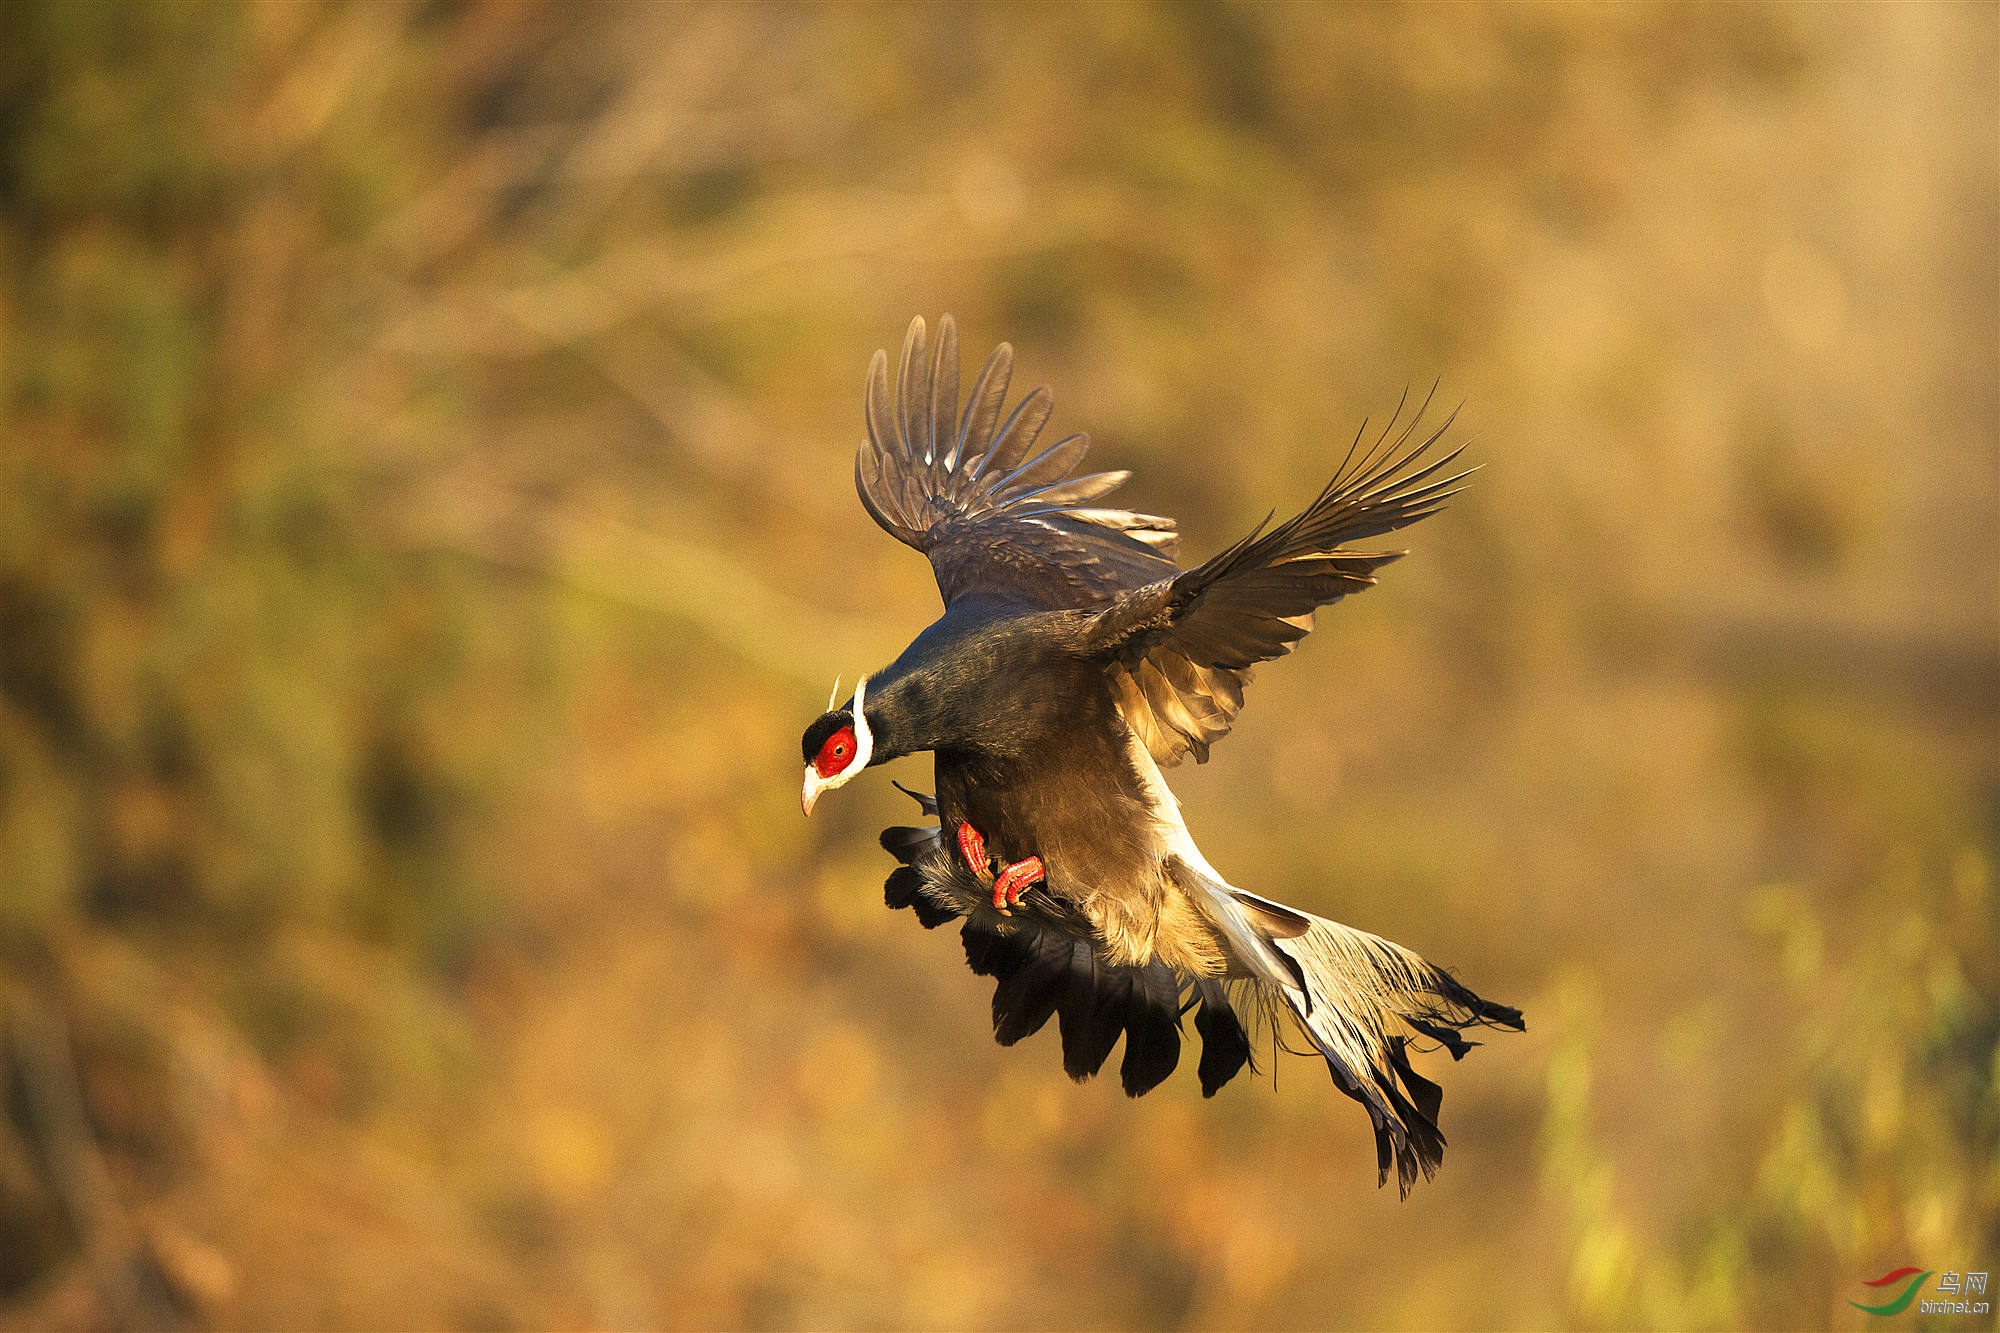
(1360, 990)
(1360, 999)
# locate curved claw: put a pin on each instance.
(972, 850)
(1016, 880)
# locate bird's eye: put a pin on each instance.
(836, 753)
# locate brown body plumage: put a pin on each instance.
(1073, 661)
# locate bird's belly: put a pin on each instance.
(1102, 851)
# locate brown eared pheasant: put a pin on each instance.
(1074, 660)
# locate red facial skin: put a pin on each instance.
(836, 754)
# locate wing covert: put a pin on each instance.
(1182, 648)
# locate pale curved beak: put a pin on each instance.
(810, 792)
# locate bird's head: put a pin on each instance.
(837, 746)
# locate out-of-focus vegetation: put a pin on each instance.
(425, 525)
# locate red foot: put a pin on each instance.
(972, 850)
(1016, 880)
(1012, 882)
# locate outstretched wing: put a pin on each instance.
(967, 489)
(1182, 648)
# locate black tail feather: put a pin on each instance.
(1027, 995)
(1407, 1136)
(1225, 1046)
(925, 802)
(1152, 1030)
(1092, 1011)
(906, 844)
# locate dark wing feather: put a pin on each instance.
(1182, 647)
(967, 489)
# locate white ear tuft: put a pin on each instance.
(833, 698)
(864, 742)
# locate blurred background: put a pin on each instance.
(427, 523)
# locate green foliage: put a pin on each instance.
(1883, 1146)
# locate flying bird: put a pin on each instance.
(1074, 660)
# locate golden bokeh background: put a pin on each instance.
(426, 524)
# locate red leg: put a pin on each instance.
(972, 850)
(1016, 880)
